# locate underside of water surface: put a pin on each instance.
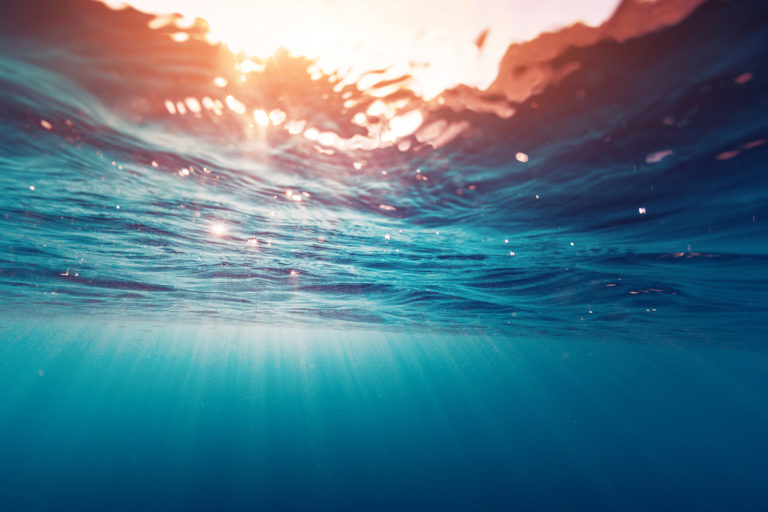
(627, 195)
(247, 282)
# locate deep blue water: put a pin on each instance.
(174, 417)
(427, 329)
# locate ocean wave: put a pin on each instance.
(622, 191)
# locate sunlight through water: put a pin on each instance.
(436, 44)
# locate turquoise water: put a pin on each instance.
(204, 417)
(561, 309)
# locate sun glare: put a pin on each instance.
(219, 229)
(437, 46)
(371, 52)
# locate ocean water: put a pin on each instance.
(553, 303)
(163, 416)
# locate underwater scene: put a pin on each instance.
(336, 255)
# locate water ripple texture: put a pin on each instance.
(628, 195)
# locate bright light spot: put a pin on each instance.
(406, 124)
(382, 92)
(209, 104)
(261, 117)
(220, 81)
(155, 164)
(360, 119)
(219, 229)
(277, 117)
(521, 157)
(180, 37)
(235, 105)
(641, 210)
(295, 127)
(249, 66)
(743, 78)
(327, 138)
(293, 196)
(193, 105)
(252, 242)
(511, 253)
(312, 133)
(294, 273)
(753, 144)
(170, 107)
(31, 187)
(727, 155)
(324, 151)
(376, 108)
(658, 156)
(386, 237)
(184, 172)
(571, 244)
(159, 22)
(45, 124)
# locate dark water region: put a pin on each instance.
(638, 206)
(209, 417)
